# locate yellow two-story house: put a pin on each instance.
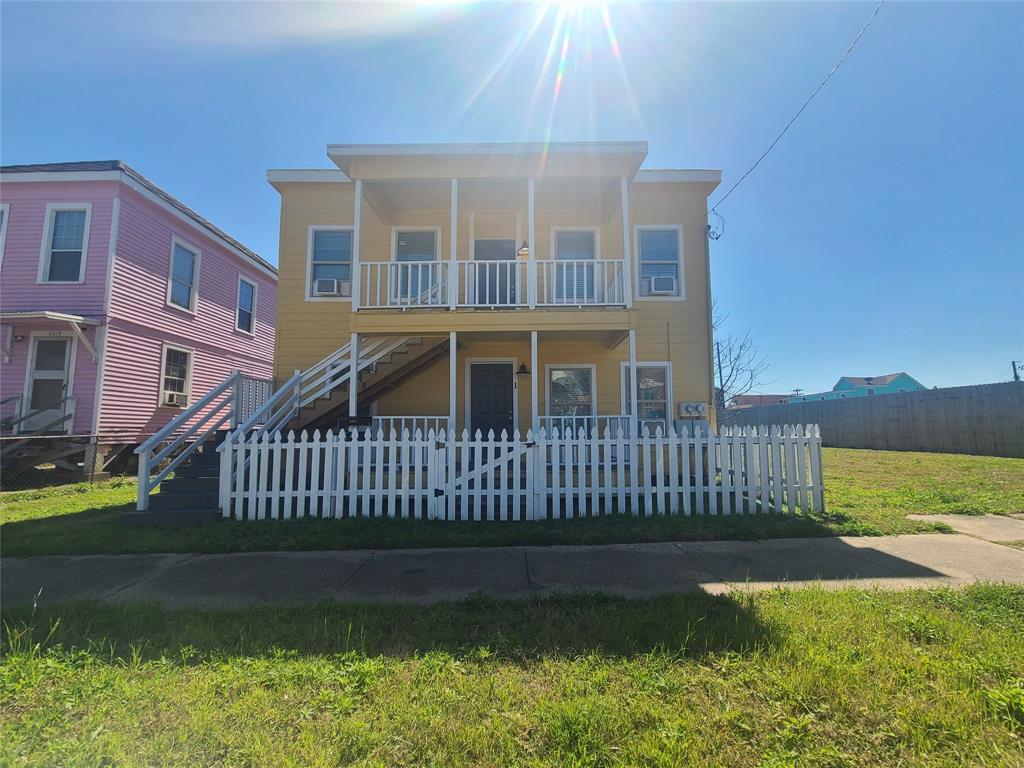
(495, 287)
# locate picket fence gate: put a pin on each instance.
(542, 475)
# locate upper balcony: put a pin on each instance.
(496, 226)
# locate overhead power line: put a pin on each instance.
(806, 103)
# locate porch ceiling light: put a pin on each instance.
(524, 249)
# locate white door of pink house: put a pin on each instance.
(48, 383)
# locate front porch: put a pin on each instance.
(506, 381)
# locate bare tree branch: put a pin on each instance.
(738, 366)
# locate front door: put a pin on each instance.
(496, 276)
(49, 376)
(490, 397)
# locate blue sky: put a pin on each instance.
(885, 232)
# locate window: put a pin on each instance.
(65, 241)
(246, 305)
(331, 258)
(181, 288)
(415, 246)
(658, 250)
(571, 390)
(653, 395)
(176, 376)
(574, 282)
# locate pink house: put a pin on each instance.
(119, 306)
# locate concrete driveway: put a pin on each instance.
(425, 575)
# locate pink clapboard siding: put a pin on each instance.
(25, 226)
(83, 380)
(20, 291)
(141, 320)
(137, 321)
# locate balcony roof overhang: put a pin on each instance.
(583, 159)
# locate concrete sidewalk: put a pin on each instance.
(425, 575)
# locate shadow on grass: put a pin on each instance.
(100, 531)
(691, 625)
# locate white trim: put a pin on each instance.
(490, 148)
(44, 246)
(193, 307)
(11, 177)
(353, 375)
(562, 366)
(627, 257)
(164, 346)
(102, 333)
(556, 228)
(453, 247)
(5, 208)
(310, 231)
(669, 403)
(238, 303)
(70, 371)
(534, 405)
(661, 175)
(681, 281)
(356, 270)
(394, 240)
(307, 175)
(48, 315)
(468, 386)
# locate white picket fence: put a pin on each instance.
(447, 476)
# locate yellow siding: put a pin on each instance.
(673, 331)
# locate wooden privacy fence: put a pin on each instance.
(447, 476)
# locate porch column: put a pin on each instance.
(627, 261)
(453, 264)
(534, 405)
(453, 379)
(633, 420)
(353, 376)
(531, 242)
(355, 277)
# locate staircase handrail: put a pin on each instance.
(224, 395)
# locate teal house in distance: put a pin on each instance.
(863, 386)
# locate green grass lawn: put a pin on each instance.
(786, 678)
(867, 493)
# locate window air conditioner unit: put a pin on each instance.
(693, 410)
(327, 286)
(175, 399)
(661, 286)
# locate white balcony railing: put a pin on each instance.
(491, 284)
(400, 284)
(580, 283)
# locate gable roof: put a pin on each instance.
(120, 167)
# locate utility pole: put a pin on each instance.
(1016, 373)
(797, 392)
(721, 389)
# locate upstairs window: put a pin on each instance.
(181, 287)
(659, 262)
(330, 272)
(64, 244)
(244, 318)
